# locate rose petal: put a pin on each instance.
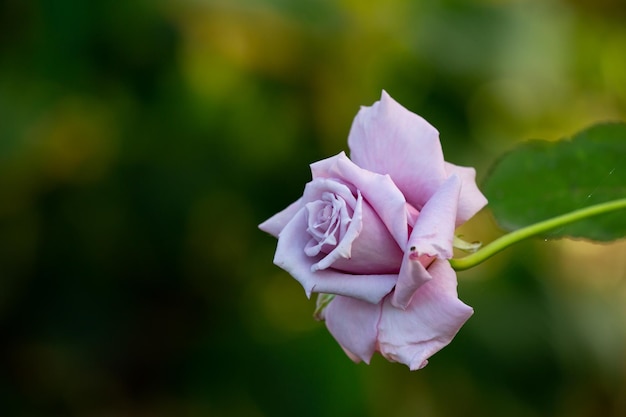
(315, 191)
(353, 323)
(290, 256)
(429, 323)
(389, 139)
(432, 235)
(378, 190)
(413, 274)
(277, 222)
(344, 247)
(471, 199)
(433, 232)
(374, 251)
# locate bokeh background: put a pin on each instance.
(141, 142)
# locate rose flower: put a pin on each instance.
(375, 230)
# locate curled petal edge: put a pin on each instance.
(354, 325)
(430, 322)
(432, 237)
(290, 256)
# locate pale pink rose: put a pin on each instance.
(376, 230)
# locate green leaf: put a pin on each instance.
(540, 180)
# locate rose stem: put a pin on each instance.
(509, 239)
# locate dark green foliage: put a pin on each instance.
(540, 179)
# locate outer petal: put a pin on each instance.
(433, 318)
(353, 323)
(378, 190)
(413, 274)
(278, 221)
(388, 139)
(471, 199)
(433, 232)
(290, 256)
(432, 235)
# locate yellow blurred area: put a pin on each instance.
(593, 267)
(247, 40)
(75, 141)
(535, 90)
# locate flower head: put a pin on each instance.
(376, 230)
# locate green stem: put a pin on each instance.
(507, 240)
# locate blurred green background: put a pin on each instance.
(141, 142)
